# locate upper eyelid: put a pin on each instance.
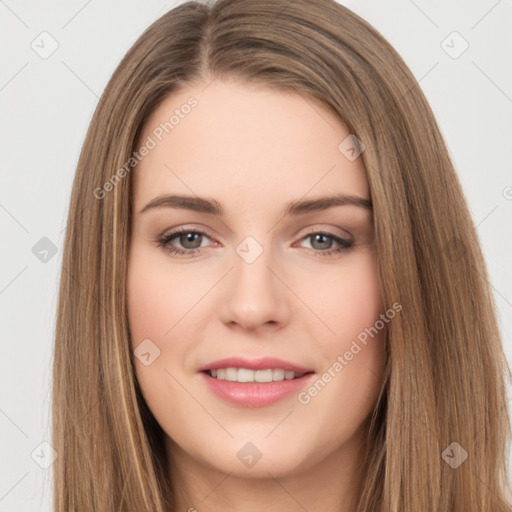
(180, 230)
(329, 232)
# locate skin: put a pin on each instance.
(254, 149)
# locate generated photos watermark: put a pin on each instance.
(357, 345)
(151, 142)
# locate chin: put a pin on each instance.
(256, 457)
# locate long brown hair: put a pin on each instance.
(443, 396)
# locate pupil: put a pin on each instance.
(189, 237)
(316, 237)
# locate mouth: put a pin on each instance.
(254, 383)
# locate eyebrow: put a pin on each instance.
(211, 206)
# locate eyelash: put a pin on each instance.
(164, 243)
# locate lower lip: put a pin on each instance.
(255, 394)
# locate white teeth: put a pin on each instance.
(263, 375)
(277, 374)
(231, 374)
(247, 375)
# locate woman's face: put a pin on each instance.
(264, 282)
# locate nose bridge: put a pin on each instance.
(252, 263)
(254, 295)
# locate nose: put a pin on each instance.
(255, 295)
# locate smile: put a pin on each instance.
(252, 393)
(248, 375)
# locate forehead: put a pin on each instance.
(247, 144)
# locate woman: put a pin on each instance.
(271, 282)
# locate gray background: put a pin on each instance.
(46, 106)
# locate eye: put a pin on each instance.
(324, 241)
(190, 239)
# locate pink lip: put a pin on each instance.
(256, 364)
(254, 394)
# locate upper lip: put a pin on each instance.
(263, 363)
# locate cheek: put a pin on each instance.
(155, 306)
(348, 300)
(153, 309)
(157, 301)
(354, 354)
